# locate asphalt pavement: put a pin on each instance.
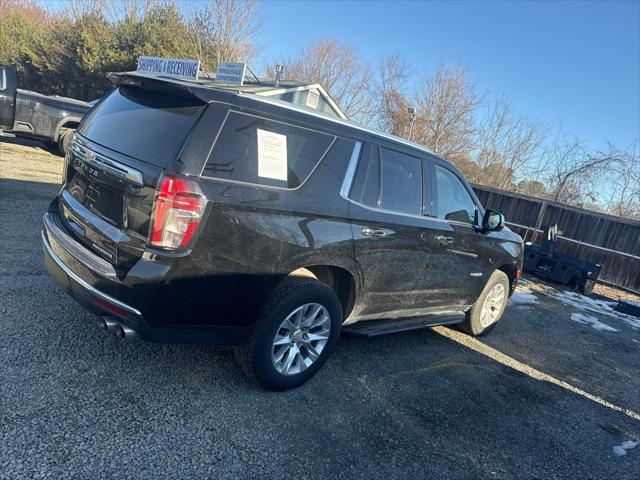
(76, 402)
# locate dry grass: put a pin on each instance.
(30, 161)
(615, 293)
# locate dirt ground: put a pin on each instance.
(615, 293)
(552, 392)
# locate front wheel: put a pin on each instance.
(489, 307)
(295, 334)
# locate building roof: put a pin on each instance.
(252, 85)
(267, 87)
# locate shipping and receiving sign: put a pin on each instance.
(169, 67)
(230, 73)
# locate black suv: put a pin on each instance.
(191, 213)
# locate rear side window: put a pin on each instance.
(389, 180)
(366, 183)
(400, 182)
(146, 125)
(260, 151)
(453, 199)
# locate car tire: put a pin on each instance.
(485, 313)
(65, 139)
(295, 299)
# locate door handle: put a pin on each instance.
(373, 232)
(444, 240)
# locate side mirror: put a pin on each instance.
(492, 221)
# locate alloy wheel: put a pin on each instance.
(300, 339)
(492, 306)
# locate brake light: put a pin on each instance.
(177, 212)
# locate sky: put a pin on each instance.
(571, 63)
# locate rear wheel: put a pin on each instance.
(65, 139)
(488, 309)
(295, 334)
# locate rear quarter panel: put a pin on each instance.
(254, 236)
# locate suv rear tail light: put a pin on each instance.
(177, 212)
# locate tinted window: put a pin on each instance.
(401, 182)
(453, 200)
(149, 126)
(257, 150)
(366, 184)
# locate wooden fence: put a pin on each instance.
(611, 241)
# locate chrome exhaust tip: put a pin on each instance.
(107, 324)
(124, 332)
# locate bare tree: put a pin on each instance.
(625, 184)
(445, 103)
(222, 30)
(534, 188)
(391, 112)
(575, 174)
(77, 9)
(338, 69)
(117, 10)
(29, 7)
(506, 145)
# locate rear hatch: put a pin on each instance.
(117, 158)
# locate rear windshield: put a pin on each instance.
(146, 125)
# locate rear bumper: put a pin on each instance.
(98, 290)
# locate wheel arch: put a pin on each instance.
(338, 278)
(67, 122)
(511, 271)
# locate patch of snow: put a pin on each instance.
(621, 450)
(591, 305)
(523, 298)
(592, 321)
(634, 322)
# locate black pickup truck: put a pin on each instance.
(49, 118)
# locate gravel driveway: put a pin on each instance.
(548, 394)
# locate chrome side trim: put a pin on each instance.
(351, 171)
(465, 254)
(83, 284)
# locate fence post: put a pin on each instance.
(543, 208)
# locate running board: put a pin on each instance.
(373, 328)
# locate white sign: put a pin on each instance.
(231, 73)
(272, 155)
(169, 67)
